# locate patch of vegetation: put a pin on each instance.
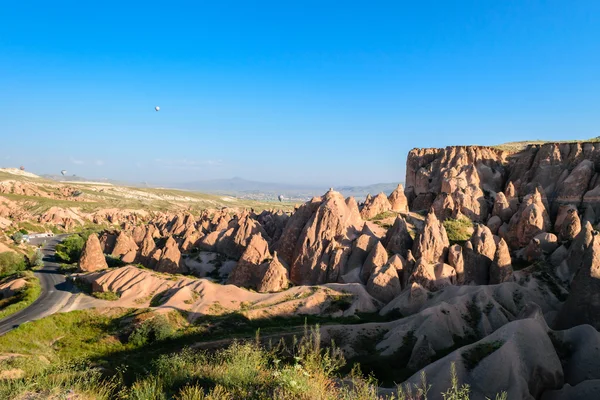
(458, 230)
(383, 215)
(36, 259)
(113, 262)
(110, 296)
(473, 356)
(339, 302)
(69, 250)
(67, 268)
(473, 316)
(136, 354)
(24, 298)
(11, 263)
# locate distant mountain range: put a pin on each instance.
(240, 187)
(249, 189)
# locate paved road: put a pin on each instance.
(56, 290)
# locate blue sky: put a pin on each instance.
(306, 92)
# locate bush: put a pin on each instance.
(69, 250)
(110, 296)
(151, 330)
(36, 260)
(458, 230)
(17, 237)
(11, 263)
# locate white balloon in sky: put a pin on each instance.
(157, 108)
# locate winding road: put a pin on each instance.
(56, 290)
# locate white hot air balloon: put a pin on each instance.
(63, 172)
(280, 197)
(157, 108)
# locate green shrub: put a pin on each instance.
(110, 296)
(154, 329)
(458, 230)
(11, 263)
(36, 260)
(17, 237)
(113, 262)
(69, 250)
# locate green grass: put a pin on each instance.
(473, 356)
(384, 215)
(458, 230)
(110, 296)
(22, 299)
(137, 354)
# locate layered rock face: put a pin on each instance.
(92, 258)
(472, 175)
(321, 228)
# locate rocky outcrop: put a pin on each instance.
(92, 258)
(376, 259)
(570, 226)
(247, 270)
(170, 259)
(375, 206)
(501, 266)
(275, 276)
(384, 283)
(397, 239)
(123, 245)
(332, 220)
(433, 277)
(529, 221)
(432, 243)
(583, 304)
(398, 200)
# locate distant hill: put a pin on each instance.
(268, 190)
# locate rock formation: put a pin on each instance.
(92, 258)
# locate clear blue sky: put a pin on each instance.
(305, 91)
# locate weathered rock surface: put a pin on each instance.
(398, 200)
(375, 206)
(432, 243)
(92, 258)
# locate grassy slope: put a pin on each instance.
(22, 299)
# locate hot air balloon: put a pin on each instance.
(280, 197)
(63, 172)
(22, 168)
(157, 108)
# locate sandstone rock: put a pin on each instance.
(402, 268)
(130, 257)
(502, 208)
(397, 239)
(530, 220)
(576, 184)
(92, 259)
(332, 220)
(456, 260)
(494, 223)
(147, 247)
(577, 251)
(583, 304)
(533, 252)
(275, 277)
(375, 206)
(421, 355)
(376, 259)
(433, 277)
(398, 200)
(247, 269)
(107, 242)
(571, 226)
(170, 259)
(478, 254)
(559, 255)
(384, 283)
(124, 244)
(501, 267)
(361, 248)
(138, 234)
(432, 243)
(444, 206)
